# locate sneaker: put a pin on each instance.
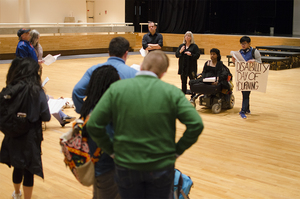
(248, 112)
(67, 119)
(16, 195)
(242, 114)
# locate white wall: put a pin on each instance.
(55, 11)
(115, 11)
(9, 11)
(296, 20)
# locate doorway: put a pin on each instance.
(90, 11)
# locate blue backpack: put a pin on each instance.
(182, 185)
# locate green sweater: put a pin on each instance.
(144, 110)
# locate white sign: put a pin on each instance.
(251, 76)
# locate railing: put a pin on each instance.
(12, 28)
(142, 24)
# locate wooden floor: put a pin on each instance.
(234, 158)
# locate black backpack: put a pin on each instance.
(14, 109)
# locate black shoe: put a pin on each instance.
(66, 120)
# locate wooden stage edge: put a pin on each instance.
(79, 43)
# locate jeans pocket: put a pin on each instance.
(163, 178)
(123, 177)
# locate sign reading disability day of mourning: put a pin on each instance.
(251, 76)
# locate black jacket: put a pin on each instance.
(222, 73)
(25, 151)
(188, 64)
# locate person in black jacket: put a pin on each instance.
(216, 68)
(188, 53)
(24, 151)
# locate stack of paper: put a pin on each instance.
(209, 79)
(49, 59)
(136, 67)
(55, 105)
(143, 52)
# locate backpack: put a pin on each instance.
(14, 101)
(182, 185)
(76, 151)
(253, 52)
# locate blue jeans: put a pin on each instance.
(133, 184)
(246, 99)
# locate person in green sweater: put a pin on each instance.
(143, 111)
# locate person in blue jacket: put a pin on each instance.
(25, 48)
(118, 52)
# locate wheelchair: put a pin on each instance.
(215, 97)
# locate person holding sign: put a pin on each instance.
(250, 55)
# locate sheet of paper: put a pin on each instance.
(209, 79)
(136, 67)
(49, 59)
(55, 105)
(238, 56)
(143, 52)
(45, 81)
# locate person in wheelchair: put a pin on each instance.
(214, 71)
(214, 82)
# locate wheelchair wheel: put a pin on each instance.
(216, 108)
(231, 102)
(193, 102)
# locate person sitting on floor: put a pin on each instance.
(61, 117)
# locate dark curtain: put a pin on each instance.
(179, 16)
(251, 17)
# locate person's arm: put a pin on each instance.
(144, 42)
(188, 115)
(22, 51)
(160, 41)
(204, 71)
(257, 56)
(99, 119)
(153, 47)
(195, 53)
(45, 113)
(78, 93)
(180, 50)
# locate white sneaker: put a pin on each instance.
(16, 195)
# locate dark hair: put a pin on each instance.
(27, 70)
(246, 39)
(118, 46)
(217, 51)
(152, 22)
(13, 66)
(100, 81)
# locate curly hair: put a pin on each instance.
(100, 81)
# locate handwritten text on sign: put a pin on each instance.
(251, 76)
